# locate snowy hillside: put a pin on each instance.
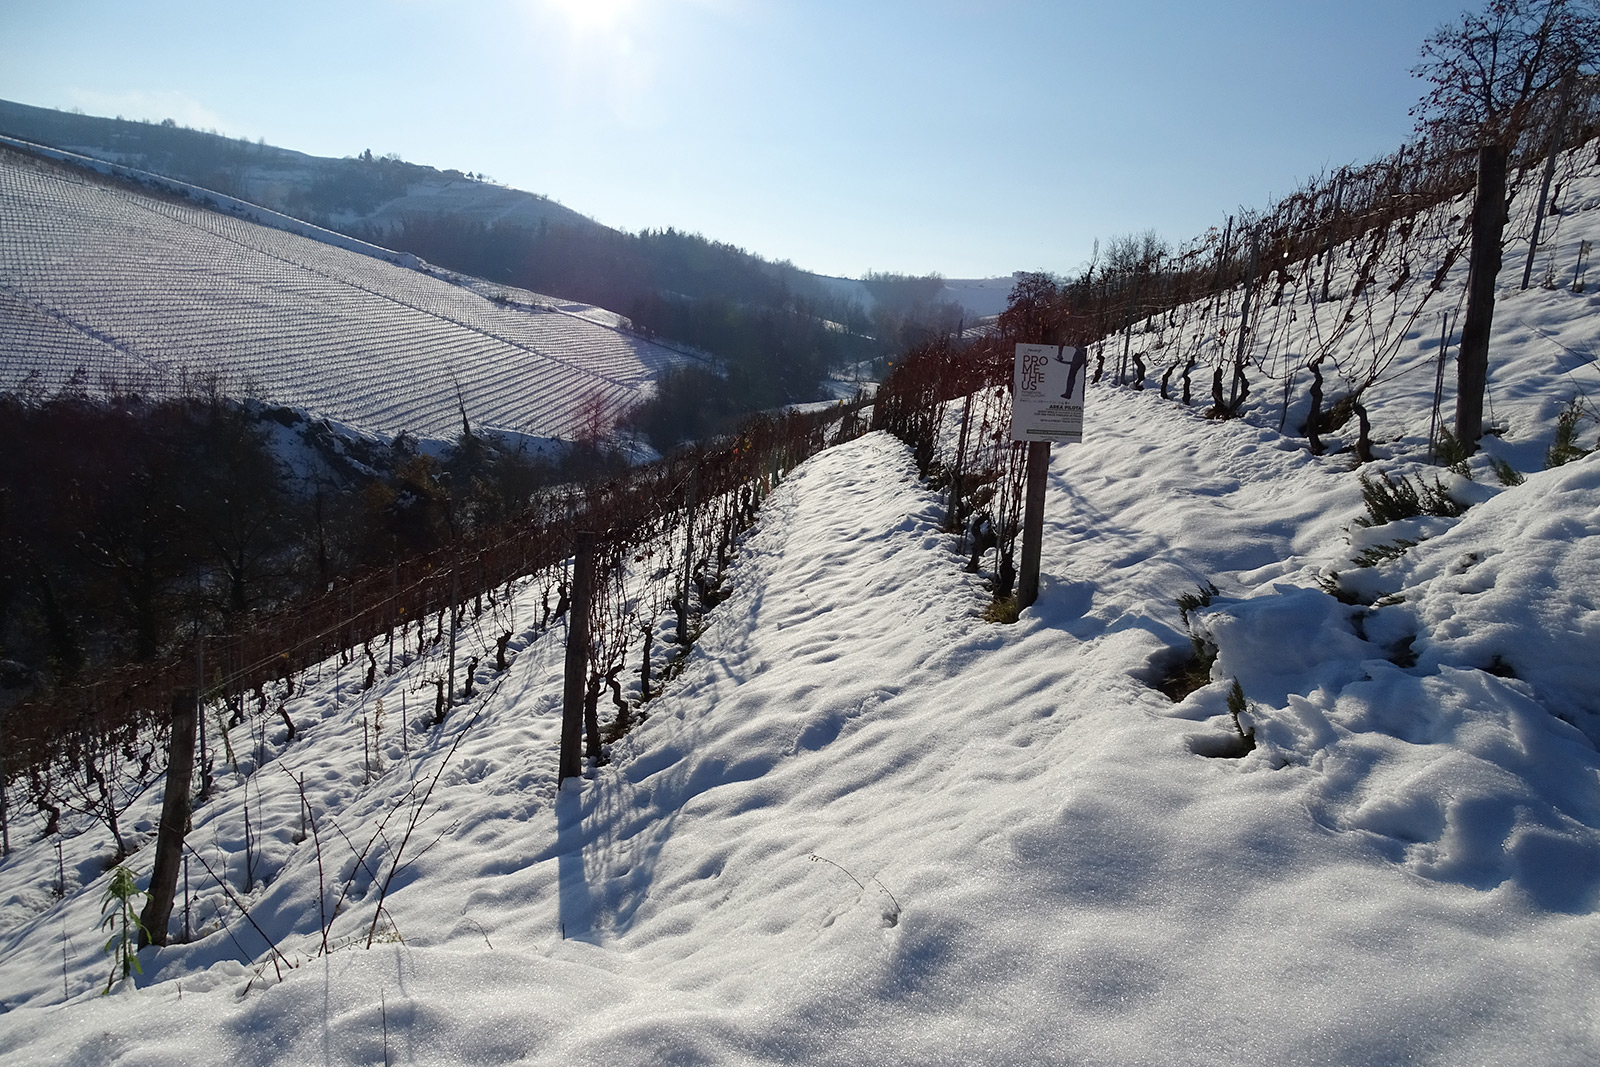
(865, 826)
(107, 287)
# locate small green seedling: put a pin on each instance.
(119, 915)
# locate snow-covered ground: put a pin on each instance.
(865, 826)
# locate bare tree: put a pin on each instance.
(1135, 253)
(1492, 73)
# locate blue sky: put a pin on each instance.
(964, 137)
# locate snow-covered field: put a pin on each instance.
(102, 287)
(865, 826)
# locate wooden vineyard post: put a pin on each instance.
(1472, 349)
(1438, 386)
(644, 666)
(174, 821)
(1240, 386)
(1033, 522)
(953, 512)
(688, 556)
(577, 662)
(450, 678)
(1549, 174)
(5, 822)
(200, 699)
(1327, 251)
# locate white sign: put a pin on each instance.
(1047, 388)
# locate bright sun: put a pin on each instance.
(593, 16)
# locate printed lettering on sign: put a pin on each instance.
(1047, 392)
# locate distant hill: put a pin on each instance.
(364, 191)
(395, 202)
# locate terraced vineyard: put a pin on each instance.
(106, 288)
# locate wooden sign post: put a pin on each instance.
(1047, 391)
(577, 662)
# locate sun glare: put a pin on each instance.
(593, 16)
